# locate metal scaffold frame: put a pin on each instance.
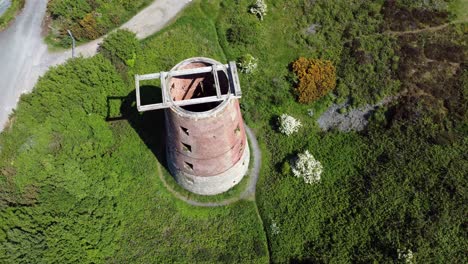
(233, 92)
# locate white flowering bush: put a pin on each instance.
(288, 124)
(275, 230)
(307, 167)
(406, 255)
(248, 63)
(259, 9)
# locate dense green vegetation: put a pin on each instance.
(77, 189)
(12, 11)
(120, 46)
(397, 188)
(87, 19)
(459, 9)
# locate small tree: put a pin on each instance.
(259, 9)
(248, 63)
(307, 167)
(288, 124)
(316, 78)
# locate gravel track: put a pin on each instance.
(21, 53)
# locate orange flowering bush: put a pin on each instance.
(316, 78)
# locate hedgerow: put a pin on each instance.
(88, 19)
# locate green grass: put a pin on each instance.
(10, 14)
(460, 10)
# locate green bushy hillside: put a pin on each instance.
(78, 188)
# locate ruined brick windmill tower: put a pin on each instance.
(206, 144)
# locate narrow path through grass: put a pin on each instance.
(428, 29)
(247, 194)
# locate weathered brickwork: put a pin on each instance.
(207, 148)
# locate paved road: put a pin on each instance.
(21, 52)
(24, 56)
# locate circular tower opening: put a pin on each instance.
(198, 85)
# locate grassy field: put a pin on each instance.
(459, 9)
(393, 193)
(10, 14)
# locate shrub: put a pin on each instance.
(88, 19)
(243, 31)
(248, 63)
(259, 9)
(307, 167)
(67, 175)
(275, 229)
(288, 124)
(73, 9)
(87, 28)
(316, 78)
(406, 256)
(121, 44)
(286, 168)
(437, 5)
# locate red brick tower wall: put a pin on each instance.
(208, 146)
(203, 140)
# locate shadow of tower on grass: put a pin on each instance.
(150, 125)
